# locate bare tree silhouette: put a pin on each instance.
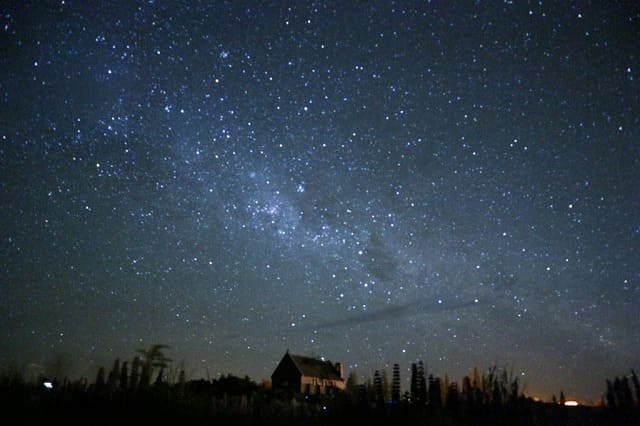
(395, 384)
(152, 358)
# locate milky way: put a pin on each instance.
(393, 181)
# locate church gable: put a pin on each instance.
(307, 375)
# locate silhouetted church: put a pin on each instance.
(307, 375)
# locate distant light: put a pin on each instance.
(48, 385)
(571, 403)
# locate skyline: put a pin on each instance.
(376, 184)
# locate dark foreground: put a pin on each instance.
(199, 403)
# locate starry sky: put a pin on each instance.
(373, 182)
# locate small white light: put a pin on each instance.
(48, 385)
(571, 403)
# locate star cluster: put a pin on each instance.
(235, 179)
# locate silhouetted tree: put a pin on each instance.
(414, 382)
(477, 383)
(145, 375)
(636, 386)
(477, 378)
(100, 382)
(152, 358)
(514, 390)
(444, 388)
(611, 395)
(114, 375)
(173, 373)
(452, 396)
(124, 376)
(623, 394)
(182, 380)
(496, 393)
(134, 380)
(377, 387)
(159, 378)
(418, 383)
(422, 383)
(488, 388)
(620, 393)
(504, 386)
(435, 392)
(361, 393)
(467, 390)
(395, 384)
(386, 387)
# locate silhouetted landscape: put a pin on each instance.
(151, 389)
(379, 182)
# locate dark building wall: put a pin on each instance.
(286, 375)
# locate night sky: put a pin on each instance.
(373, 182)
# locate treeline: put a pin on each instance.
(619, 394)
(151, 389)
(491, 397)
(493, 387)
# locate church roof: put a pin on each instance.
(313, 367)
